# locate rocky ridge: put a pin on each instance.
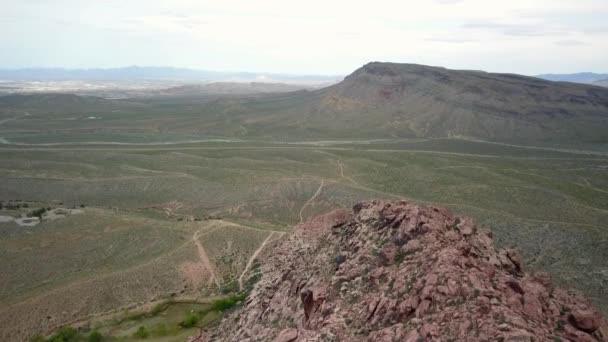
(396, 271)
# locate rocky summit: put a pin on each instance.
(396, 271)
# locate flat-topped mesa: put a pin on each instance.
(396, 271)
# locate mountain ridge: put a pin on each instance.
(392, 100)
(420, 101)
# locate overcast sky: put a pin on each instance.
(307, 36)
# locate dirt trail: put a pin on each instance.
(341, 168)
(233, 224)
(14, 118)
(252, 258)
(179, 148)
(590, 186)
(311, 199)
(205, 259)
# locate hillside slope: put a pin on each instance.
(406, 100)
(382, 100)
(394, 271)
(377, 101)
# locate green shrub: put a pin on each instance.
(37, 338)
(141, 332)
(229, 287)
(95, 336)
(160, 307)
(228, 302)
(190, 320)
(65, 334)
(37, 213)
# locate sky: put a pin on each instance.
(307, 37)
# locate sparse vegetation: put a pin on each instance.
(37, 213)
(229, 302)
(159, 329)
(64, 334)
(191, 319)
(95, 336)
(141, 333)
(263, 187)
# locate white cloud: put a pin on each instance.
(309, 36)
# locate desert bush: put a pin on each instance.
(65, 334)
(190, 320)
(228, 302)
(95, 336)
(160, 307)
(141, 332)
(37, 213)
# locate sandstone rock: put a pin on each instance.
(515, 259)
(412, 336)
(287, 335)
(575, 335)
(411, 246)
(326, 281)
(307, 302)
(388, 253)
(586, 319)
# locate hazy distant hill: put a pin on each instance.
(155, 73)
(601, 83)
(232, 88)
(581, 77)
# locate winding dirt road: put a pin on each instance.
(253, 256)
(205, 259)
(311, 199)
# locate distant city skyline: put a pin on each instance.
(313, 37)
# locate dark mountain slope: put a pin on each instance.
(413, 100)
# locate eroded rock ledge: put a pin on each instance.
(396, 271)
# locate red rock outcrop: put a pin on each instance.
(395, 271)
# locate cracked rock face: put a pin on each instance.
(396, 271)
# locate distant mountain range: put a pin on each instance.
(157, 73)
(581, 77)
